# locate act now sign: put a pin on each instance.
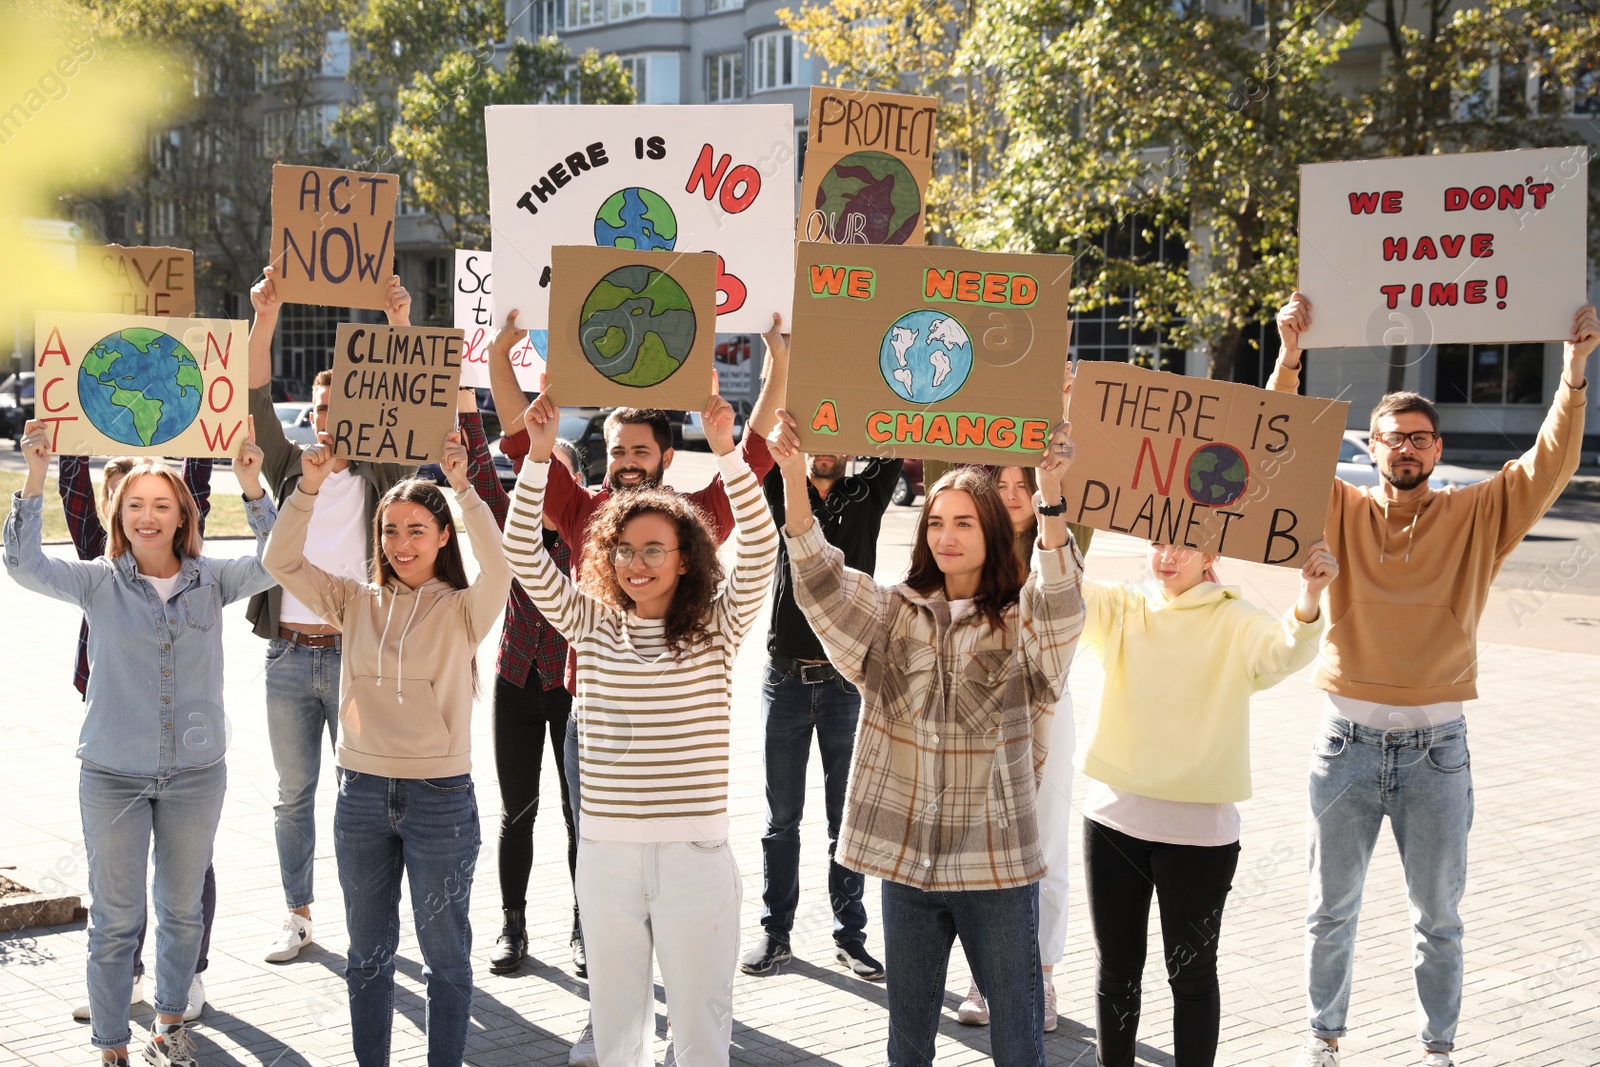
(129, 385)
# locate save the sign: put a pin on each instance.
(1209, 465)
(645, 179)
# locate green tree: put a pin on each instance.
(440, 130)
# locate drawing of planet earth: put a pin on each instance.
(636, 219)
(637, 326)
(876, 186)
(140, 386)
(925, 356)
(1217, 475)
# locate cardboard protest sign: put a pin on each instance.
(474, 304)
(1472, 248)
(144, 280)
(868, 160)
(932, 352)
(634, 329)
(1211, 465)
(686, 179)
(137, 385)
(394, 391)
(333, 235)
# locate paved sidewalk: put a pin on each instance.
(1532, 913)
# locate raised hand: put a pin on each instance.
(454, 461)
(35, 445)
(777, 341)
(1585, 336)
(717, 418)
(247, 464)
(264, 294)
(1058, 455)
(542, 418)
(1294, 319)
(784, 444)
(316, 463)
(506, 338)
(1320, 569)
(397, 303)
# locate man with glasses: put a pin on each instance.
(1398, 663)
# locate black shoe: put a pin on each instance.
(580, 959)
(764, 956)
(512, 944)
(853, 954)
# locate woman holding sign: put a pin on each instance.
(1169, 756)
(954, 667)
(153, 738)
(655, 626)
(406, 802)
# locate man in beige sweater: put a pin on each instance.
(1398, 662)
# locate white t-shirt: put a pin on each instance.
(1174, 822)
(336, 539)
(163, 586)
(1396, 716)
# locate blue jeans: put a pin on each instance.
(1422, 780)
(302, 704)
(427, 830)
(121, 815)
(999, 931)
(790, 710)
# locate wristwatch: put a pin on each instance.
(1051, 510)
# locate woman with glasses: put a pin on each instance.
(654, 633)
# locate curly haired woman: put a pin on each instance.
(655, 634)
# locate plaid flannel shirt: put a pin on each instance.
(954, 722)
(89, 536)
(527, 639)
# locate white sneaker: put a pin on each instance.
(973, 1011)
(169, 1045)
(80, 1012)
(1317, 1053)
(295, 935)
(1437, 1059)
(197, 1000)
(583, 1053)
(1050, 1016)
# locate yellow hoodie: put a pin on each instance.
(1174, 720)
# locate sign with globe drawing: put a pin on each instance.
(1210, 465)
(692, 178)
(868, 160)
(632, 328)
(113, 385)
(929, 352)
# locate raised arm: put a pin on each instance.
(480, 464)
(1294, 318)
(755, 539)
(70, 580)
(571, 612)
(774, 386)
(247, 576)
(486, 597)
(77, 501)
(264, 298)
(323, 593)
(509, 399)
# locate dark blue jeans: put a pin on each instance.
(427, 830)
(999, 930)
(790, 711)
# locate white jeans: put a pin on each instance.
(1053, 811)
(680, 899)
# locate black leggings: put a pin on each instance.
(523, 717)
(1192, 883)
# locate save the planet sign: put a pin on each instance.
(714, 179)
(868, 160)
(928, 351)
(633, 329)
(1210, 465)
(127, 385)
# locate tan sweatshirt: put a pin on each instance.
(405, 697)
(1414, 577)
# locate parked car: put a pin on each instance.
(586, 428)
(909, 485)
(297, 421)
(16, 406)
(1356, 467)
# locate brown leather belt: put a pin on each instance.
(309, 640)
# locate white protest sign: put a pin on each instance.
(474, 304)
(680, 178)
(1468, 248)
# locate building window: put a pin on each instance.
(1586, 94)
(628, 9)
(547, 18)
(305, 339)
(164, 217)
(581, 13)
(724, 78)
(1255, 13)
(655, 77)
(1490, 374)
(1102, 333)
(336, 54)
(714, 6)
(303, 130)
(774, 61)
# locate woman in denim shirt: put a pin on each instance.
(153, 738)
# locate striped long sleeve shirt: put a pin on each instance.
(653, 727)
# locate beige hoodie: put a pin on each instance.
(405, 704)
(1414, 577)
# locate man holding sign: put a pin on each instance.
(1398, 663)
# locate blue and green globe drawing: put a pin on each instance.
(637, 326)
(140, 386)
(879, 188)
(925, 357)
(636, 219)
(1217, 475)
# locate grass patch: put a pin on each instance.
(226, 518)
